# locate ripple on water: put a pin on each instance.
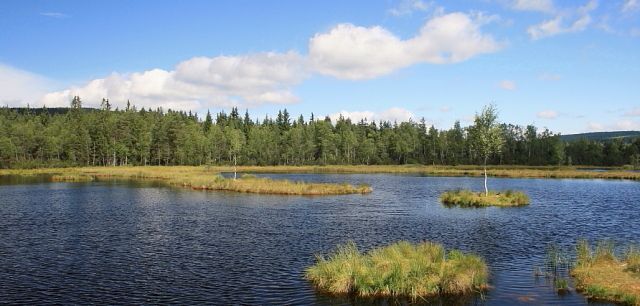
(115, 243)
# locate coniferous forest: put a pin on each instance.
(92, 137)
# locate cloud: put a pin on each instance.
(198, 82)
(391, 114)
(579, 20)
(625, 124)
(353, 52)
(407, 7)
(595, 127)
(19, 87)
(630, 6)
(549, 77)
(635, 32)
(55, 15)
(508, 85)
(635, 112)
(445, 109)
(547, 114)
(346, 52)
(545, 6)
(628, 125)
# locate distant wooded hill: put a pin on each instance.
(77, 136)
(601, 136)
(48, 110)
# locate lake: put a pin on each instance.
(115, 242)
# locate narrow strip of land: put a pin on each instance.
(197, 178)
(167, 172)
(467, 170)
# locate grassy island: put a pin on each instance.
(602, 275)
(401, 269)
(252, 184)
(467, 198)
(197, 178)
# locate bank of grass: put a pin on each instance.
(602, 275)
(199, 178)
(510, 171)
(468, 198)
(401, 269)
(507, 171)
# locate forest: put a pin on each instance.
(80, 136)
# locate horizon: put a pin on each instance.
(568, 67)
(317, 117)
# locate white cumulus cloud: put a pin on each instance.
(57, 15)
(508, 85)
(197, 83)
(575, 21)
(547, 114)
(346, 51)
(19, 87)
(407, 7)
(635, 112)
(630, 6)
(628, 125)
(550, 77)
(352, 52)
(392, 114)
(546, 6)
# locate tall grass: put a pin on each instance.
(514, 171)
(401, 269)
(72, 177)
(632, 257)
(601, 274)
(557, 268)
(468, 198)
(199, 178)
(251, 184)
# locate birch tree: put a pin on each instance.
(486, 137)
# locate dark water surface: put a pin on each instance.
(124, 242)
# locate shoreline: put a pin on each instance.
(436, 171)
(195, 178)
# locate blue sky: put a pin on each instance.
(571, 66)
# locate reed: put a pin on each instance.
(401, 269)
(602, 275)
(506, 171)
(72, 177)
(467, 198)
(267, 186)
(197, 178)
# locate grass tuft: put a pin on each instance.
(401, 269)
(602, 275)
(467, 198)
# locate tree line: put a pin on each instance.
(113, 137)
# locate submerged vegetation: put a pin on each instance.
(600, 274)
(199, 178)
(467, 198)
(72, 177)
(401, 269)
